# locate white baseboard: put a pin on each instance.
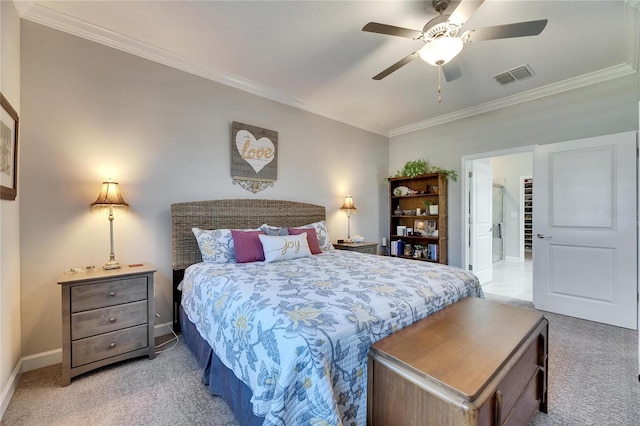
(163, 329)
(45, 359)
(10, 388)
(513, 259)
(27, 363)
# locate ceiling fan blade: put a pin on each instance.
(464, 11)
(402, 62)
(520, 29)
(375, 27)
(451, 71)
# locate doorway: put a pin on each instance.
(512, 272)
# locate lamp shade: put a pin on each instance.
(348, 204)
(441, 50)
(110, 196)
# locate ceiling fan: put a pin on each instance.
(444, 38)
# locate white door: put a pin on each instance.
(585, 229)
(481, 219)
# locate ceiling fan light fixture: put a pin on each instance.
(441, 50)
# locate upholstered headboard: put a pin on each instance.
(231, 214)
(227, 214)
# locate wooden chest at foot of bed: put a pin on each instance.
(476, 362)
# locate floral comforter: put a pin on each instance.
(298, 332)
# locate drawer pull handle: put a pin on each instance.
(112, 293)
(112, 319)
(498, 417)
(112, 345)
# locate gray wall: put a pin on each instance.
(600, 109)
(10, 347)
(91, 112)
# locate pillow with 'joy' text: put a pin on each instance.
(287, 247)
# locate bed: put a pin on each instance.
(286, 342)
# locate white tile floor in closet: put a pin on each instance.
(511, 279)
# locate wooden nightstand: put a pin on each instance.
(368, 248)
(107, 316)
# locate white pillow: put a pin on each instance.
(216, 246)
(287, 247)
(323, 234)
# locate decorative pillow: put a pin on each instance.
(273, 230)
(312, 238)
(247, 246)
(216, 246)
(277, 248)
(322, 234)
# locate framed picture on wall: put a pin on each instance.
(254, 156)
(8, 150)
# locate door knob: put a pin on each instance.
(544, 236)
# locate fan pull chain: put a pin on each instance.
(439, 87)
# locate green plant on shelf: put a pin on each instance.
(420, 167)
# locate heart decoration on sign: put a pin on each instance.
(258, 153)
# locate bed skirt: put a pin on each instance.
(219, 379)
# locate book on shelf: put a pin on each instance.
(432, 252)
(397, 248)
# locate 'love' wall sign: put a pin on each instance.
(254, 157)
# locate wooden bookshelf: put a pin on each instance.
(429, 228)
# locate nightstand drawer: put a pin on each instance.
(373, 249)
(96, 348)
(115, 292)
(99, 321)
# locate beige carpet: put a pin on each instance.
(593, 381)
(593, 373)
(162, 391)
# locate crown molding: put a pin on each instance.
(633, 3)
(43, 15)
(632, 32)
(541, 92)
(22, 6)
(40, 14)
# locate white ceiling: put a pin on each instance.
(313, 54)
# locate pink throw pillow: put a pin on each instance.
(312, 238)
(247, 246)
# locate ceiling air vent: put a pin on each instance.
(518, 73)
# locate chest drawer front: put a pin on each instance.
(107, 345)
(109, 293)
(521, 375)
(527, 404)
(99, 321)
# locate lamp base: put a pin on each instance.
(111, 264)
(348, 240)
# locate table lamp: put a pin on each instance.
(110, 197)
(350, 208)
